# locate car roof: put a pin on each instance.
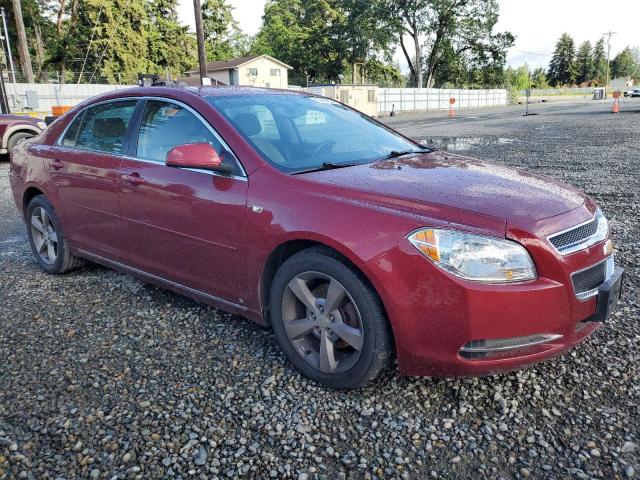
(205, 91)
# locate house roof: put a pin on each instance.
(237, 62)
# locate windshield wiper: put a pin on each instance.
(329, 166)
(396, 153)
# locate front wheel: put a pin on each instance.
(329, 321)
(16, 138)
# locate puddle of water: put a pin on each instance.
(461, 144)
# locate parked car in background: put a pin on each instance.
(633, 93)
(14, 128)
(353, 242)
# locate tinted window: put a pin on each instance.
(166, 125)
(104, 126)
(71, 134)
(298, 133)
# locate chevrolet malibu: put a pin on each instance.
(355, 244)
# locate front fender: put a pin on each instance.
(282, 208)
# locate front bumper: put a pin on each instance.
(435, 315)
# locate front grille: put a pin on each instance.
(586, 282)
(567, 240)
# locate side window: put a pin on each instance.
(71, 134)
(104, 126)
(166, 125)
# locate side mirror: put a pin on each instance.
(196, 155)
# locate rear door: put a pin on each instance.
(84, 170)
(184, 225)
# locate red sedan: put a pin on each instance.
(354, 243)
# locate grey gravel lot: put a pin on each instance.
(102, 376)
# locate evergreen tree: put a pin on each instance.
(584, 63)
(635, 52)
(223, 38)
(623, 65)
(170, 48)
(562, 69)
(119, 48)
(599, 62)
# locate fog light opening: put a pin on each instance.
(505, 347)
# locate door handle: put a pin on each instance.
(57, 164)
(133, 179)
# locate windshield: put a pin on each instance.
(297, 133)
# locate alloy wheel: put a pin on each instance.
(322, 322)
(44, 235)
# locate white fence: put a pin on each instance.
(416, 99)
(587, 91)
(40, 97)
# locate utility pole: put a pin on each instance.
(9, 54)
(4, 104)
(23, 47)
(200, 36)
(609, 34)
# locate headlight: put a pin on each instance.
(42, 125)
(603, 228)
(474, 257)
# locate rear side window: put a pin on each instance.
(104, 126)
(71, 135)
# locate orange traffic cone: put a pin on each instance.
(616, 102)
(616, 106)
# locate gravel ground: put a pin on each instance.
(103, 376)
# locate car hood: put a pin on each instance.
(460, 182)
(8, 119)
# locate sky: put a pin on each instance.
(536, 25)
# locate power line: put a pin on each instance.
(534, 53)
(93, 32)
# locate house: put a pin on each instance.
(254, 71)
(621, 83)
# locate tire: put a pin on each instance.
(15, 139)
(323, 271)
(53, 255)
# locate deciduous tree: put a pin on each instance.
(454, 37)
(539, 79)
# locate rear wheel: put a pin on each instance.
(328, 320)
(46, 238)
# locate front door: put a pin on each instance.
(184, 225)
(84, 168)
